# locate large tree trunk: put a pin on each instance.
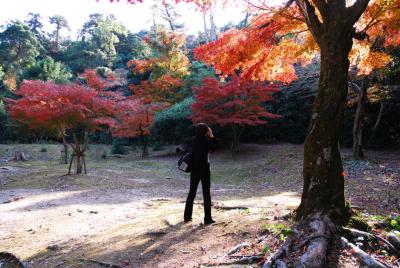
(323, 190)
(323, 205)
(358, 120)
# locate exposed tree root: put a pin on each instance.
(365, 259)
(394, 240)
(241, 260)
(102, 264)
(218, 206)
(238, 247)
(308, 245)
(310, 240)
(371, 236)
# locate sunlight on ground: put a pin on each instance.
(289, 199)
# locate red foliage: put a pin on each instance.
(237, 102)
(58, 107)
(135, 118)
(93, 80)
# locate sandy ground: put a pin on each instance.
(129, 213)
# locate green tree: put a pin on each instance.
(19, 48)
(49, 70)
(130, 46)
(35, 24)
(78, 56)
(102, 34)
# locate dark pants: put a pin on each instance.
(195, 178)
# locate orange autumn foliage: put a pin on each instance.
(162, 89)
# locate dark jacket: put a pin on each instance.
(200, 148)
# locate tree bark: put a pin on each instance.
(377, 123)
(64, 156)
(205, 27)
(78, 152)
(236, 134)
(145, 148)
(323, 189)
(358, 120)
(213, 27)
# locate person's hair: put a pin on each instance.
(200, 130)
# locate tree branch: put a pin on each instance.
(311, 18)
(356, 10)
(322, 8)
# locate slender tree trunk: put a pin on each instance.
(323, 190)
(79, 166)
(169, 18)
(358, 119)
(145, 148)
(236, 134)
(377, 123)
(246, 19)
(78, 154)
(57, 44)
(65, 150)
(205, 27)
(213, 27)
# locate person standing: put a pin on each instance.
(200, 146)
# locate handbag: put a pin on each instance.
(184, 162)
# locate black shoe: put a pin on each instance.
(187, 220)
(208, 222)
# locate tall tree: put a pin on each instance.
(293, 34)
(281, 36)
(35, 24)
(101, 34)
(19, 48)
(168, 13)
(59, 23)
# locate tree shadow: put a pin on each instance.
(133, 255)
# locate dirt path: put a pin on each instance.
(132, 222)
(129, 211)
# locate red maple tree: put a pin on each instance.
(135, 119)
(236, 103)
(62, 110)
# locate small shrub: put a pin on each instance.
(43, 149)
(278, 229)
